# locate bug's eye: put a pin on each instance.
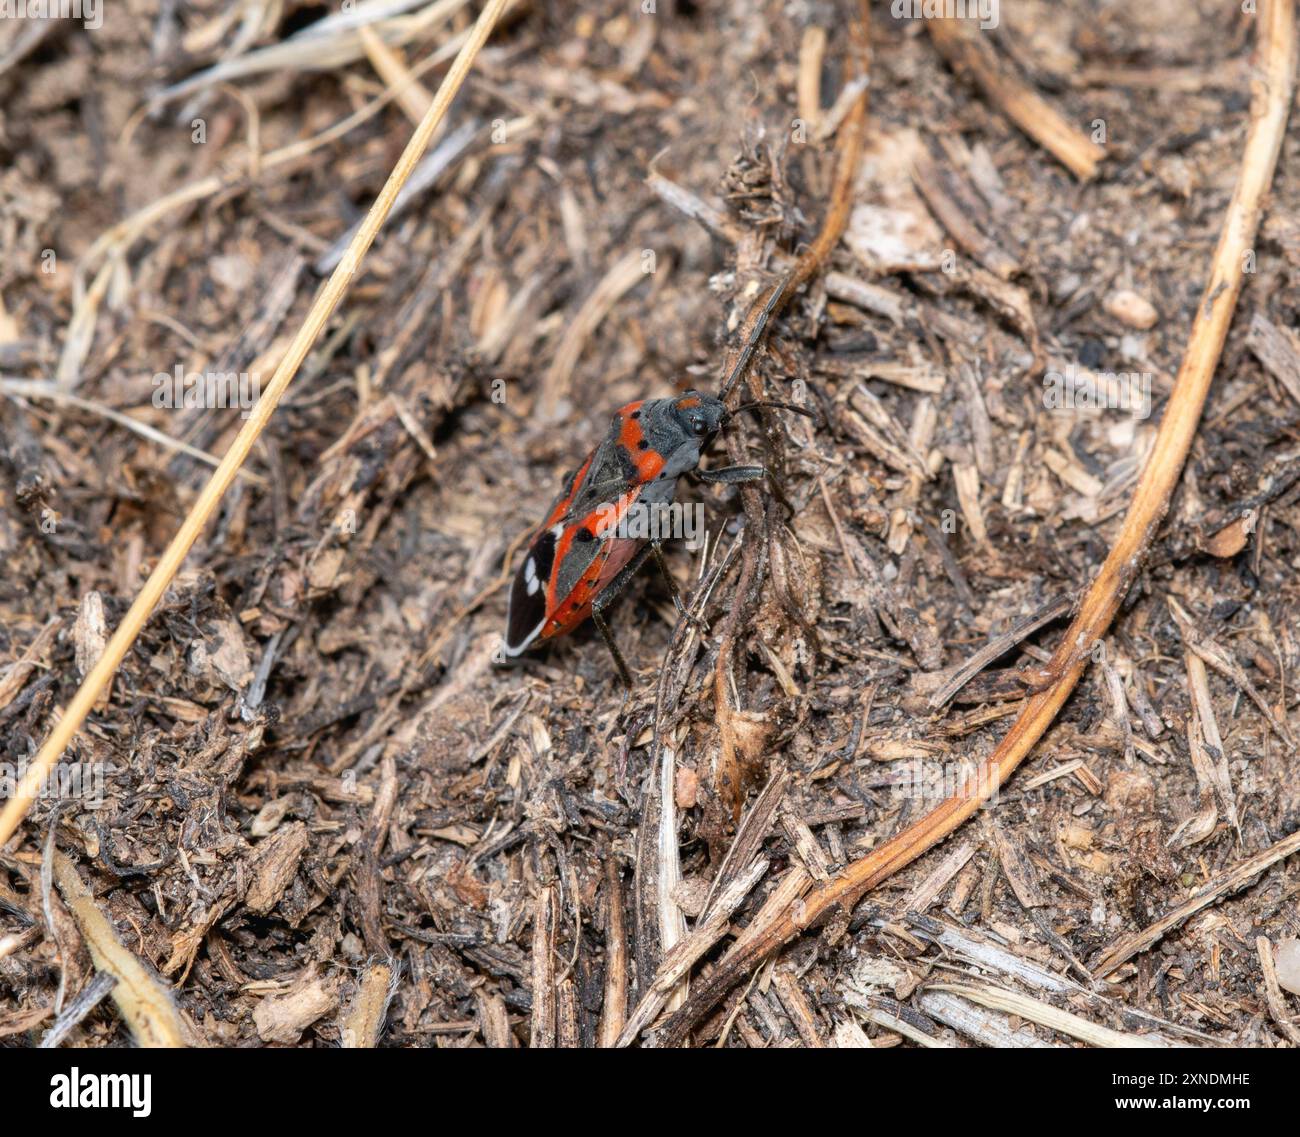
(698, 425)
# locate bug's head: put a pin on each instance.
(679, 428)
(699, 415)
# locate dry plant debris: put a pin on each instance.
(310, 810)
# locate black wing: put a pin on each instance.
(528, 594)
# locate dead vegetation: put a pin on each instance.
(328, 819)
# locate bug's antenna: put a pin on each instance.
(756, 335)
(776, 406)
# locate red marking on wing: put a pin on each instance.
(576, 607)
(647, 459)
(565, 503)
(610, 559)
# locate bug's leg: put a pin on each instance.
(608, 637)
(605, 599)
(657, 548)
(739, 475)
(733, 475)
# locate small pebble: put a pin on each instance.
(1091, 353)
(1287, 963)
(1131, 309)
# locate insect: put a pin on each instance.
(580, 557)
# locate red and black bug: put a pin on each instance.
(579, 559)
